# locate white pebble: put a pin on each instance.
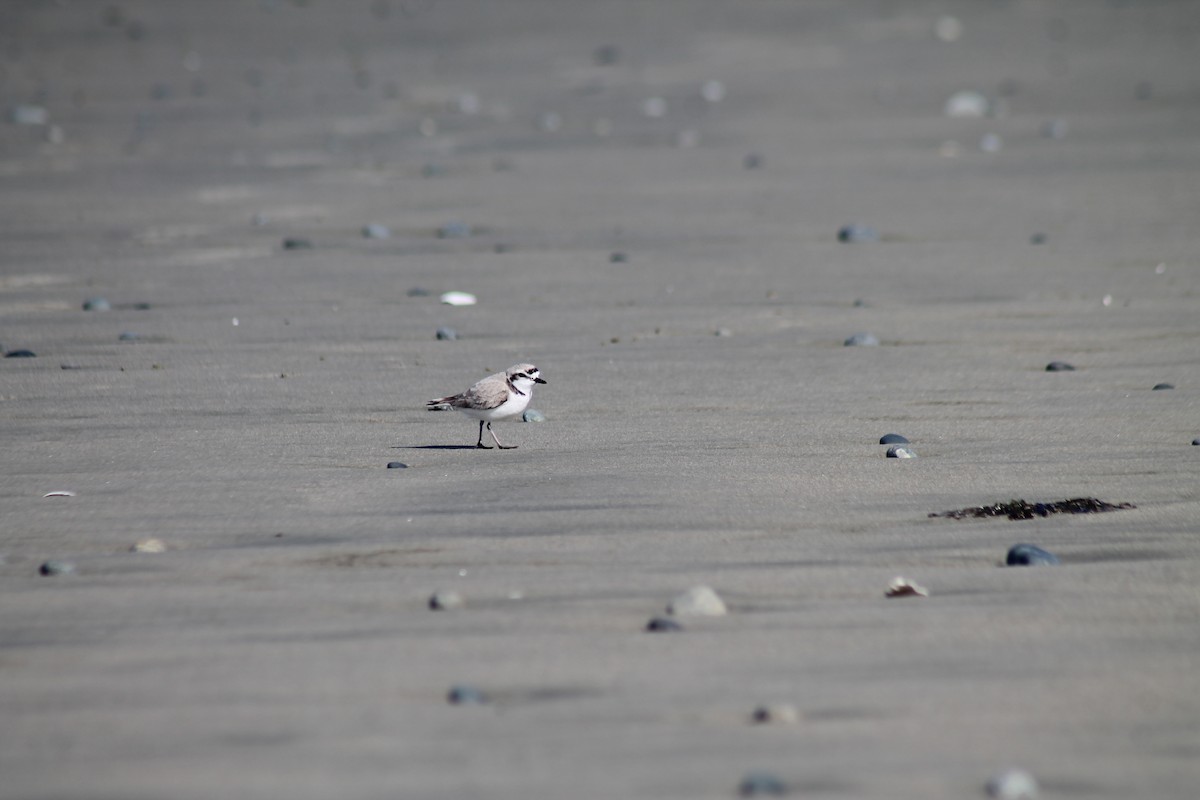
(698, 601)
(990, 143)
(1012, 784)
(948, 28)
(966, 105)
(148, 546)
(458, 299)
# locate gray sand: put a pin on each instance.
(282, 646)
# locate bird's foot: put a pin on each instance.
(483, 446)
(508, 446)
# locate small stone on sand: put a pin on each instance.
(533, 415)
(446, 601)
(663, 625)
(150, 545)
(698, 601)
(465, 696)
(903, 587)
(892, 438)
(899, 451)
(56, 567)
(1012, 784)
(761, 783)
(1029, 555)
(862, 340)
(1059, 366)
(776, 714)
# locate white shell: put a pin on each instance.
(902, 587)
(698, 601)
(148, 546)
(60, 493)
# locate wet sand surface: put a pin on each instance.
(705, 423)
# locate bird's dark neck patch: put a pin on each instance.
(512, 387)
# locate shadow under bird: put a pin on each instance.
(496, 397)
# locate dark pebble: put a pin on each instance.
(663, 625)
(752, 161)
(447, 334)
(607, 55)
(397, 465)
(56, 567)
(20, 354)
(760, 783)
(618, 258)
(96, 304)
(1037, 238)
(417, 291)
(862, 340)
(1196, 441)
(1059, 366)
(1029, 555)
(128, 336)
(1158, 387)
(292, 243)
(454, 230)
(892, 438)
(465, 696)
(433, 171)
(857, 233)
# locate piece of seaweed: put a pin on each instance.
(1023, 509)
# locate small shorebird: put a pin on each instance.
(500, 396)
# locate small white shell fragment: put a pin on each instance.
(698, 601)
(903, 587)
(59, 493)
(150, 545)
(966, 105)
(458, 299)
(1012, 784)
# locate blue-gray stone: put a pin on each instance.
(761, 783)
(20, 354)
(28, 115)
(862, 340)
(128, 336)
(96, 304)
(1158, 387)
(618, 258)
(1059, 366)
(466, 696)
(752, 161)
(1037, 238)
(397, 465)
(56, 567)
(454, 230)
(663, 625)
(857, 233)
(446, 334)
(296, 243)
(892, 438)
(533, 415)
(1029, 555)
(375, 231)
(418, 291)
(899, 451)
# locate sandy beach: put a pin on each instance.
(645, 198)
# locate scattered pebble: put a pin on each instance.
(1196, 441)
(722, 332)
(458, 299)
(446, 601)
(446, 334)
(606, 55)
(20, 354)
(28, 115)
(991, 143)
(862, 340)
(1012, 784)
(148, 546)
(776, 714)
(128, 336)
(687, 138)
(417, 291)
(96, 304)
(433, 171)
(1037, 238)
(899, 451)
(454, 230)
(663, 625)
(397, 465)
(759, 783)
(654, 107)
(966, 105)
(857, 233)
(713, 91)
(296, 243)
(892, 438)
(56, 567)
(549, 121)
(376, 231)
(618, 258)
(1055, 129)
(948, 28)
(752, 161)
(1158, 387)
(698, 601)
(1029, 555)
(1059, 366)
(902, 587)
(59, 493)
(465, 696)
(533, 415)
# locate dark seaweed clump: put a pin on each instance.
(1023, 509)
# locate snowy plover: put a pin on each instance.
(500, 396)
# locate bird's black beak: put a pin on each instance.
(538, 380)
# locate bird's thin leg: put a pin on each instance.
(480, 443)
(493, 433)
